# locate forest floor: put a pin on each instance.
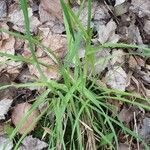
(75, 75)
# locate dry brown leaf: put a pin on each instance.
(26, 50)
(116, 104)
(140, 61)
(127, 114)
(3, 35)
(50, 8)
(12, 68)
(50, 72)
(51, 22)
(7, 47)
(57, 43)
(5, 80)
(25, 76)
(19, 43)
(19, 112)
(132, 62)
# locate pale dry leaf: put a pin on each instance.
(101, 13)
(123, 146)
(44, 31)
(19, 43)
(118, 57)
(147, 91)
(106, 33)
(83, 17)
(3, 35)
(7, 93)
(56, 42)
(3, 9)
(30, 143)
(19, 112)
(50, 71)
(5, 104)
(26, 50)
(141, 8)
(45, 16)
(51, 8)
(16, 17)
(50, 22)
(116, 78)
(127, 114)
(101, 60)
(144, 129)
(134, 36)
(14, 67)
(145, 76)
(121, 7)
(147, 27)
(5, 143)
(56, 27)
(132, 63)
(7, 47)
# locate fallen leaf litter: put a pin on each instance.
(48, 25)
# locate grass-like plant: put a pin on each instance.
(82, 115)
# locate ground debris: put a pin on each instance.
(144, 129)
(5, 104)
(32, 143)
(16, 17)
(5, 143)
(19, 112)
(141, 8)
(116, 78)
(3, 9)
(121, 72)
(106, 33)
